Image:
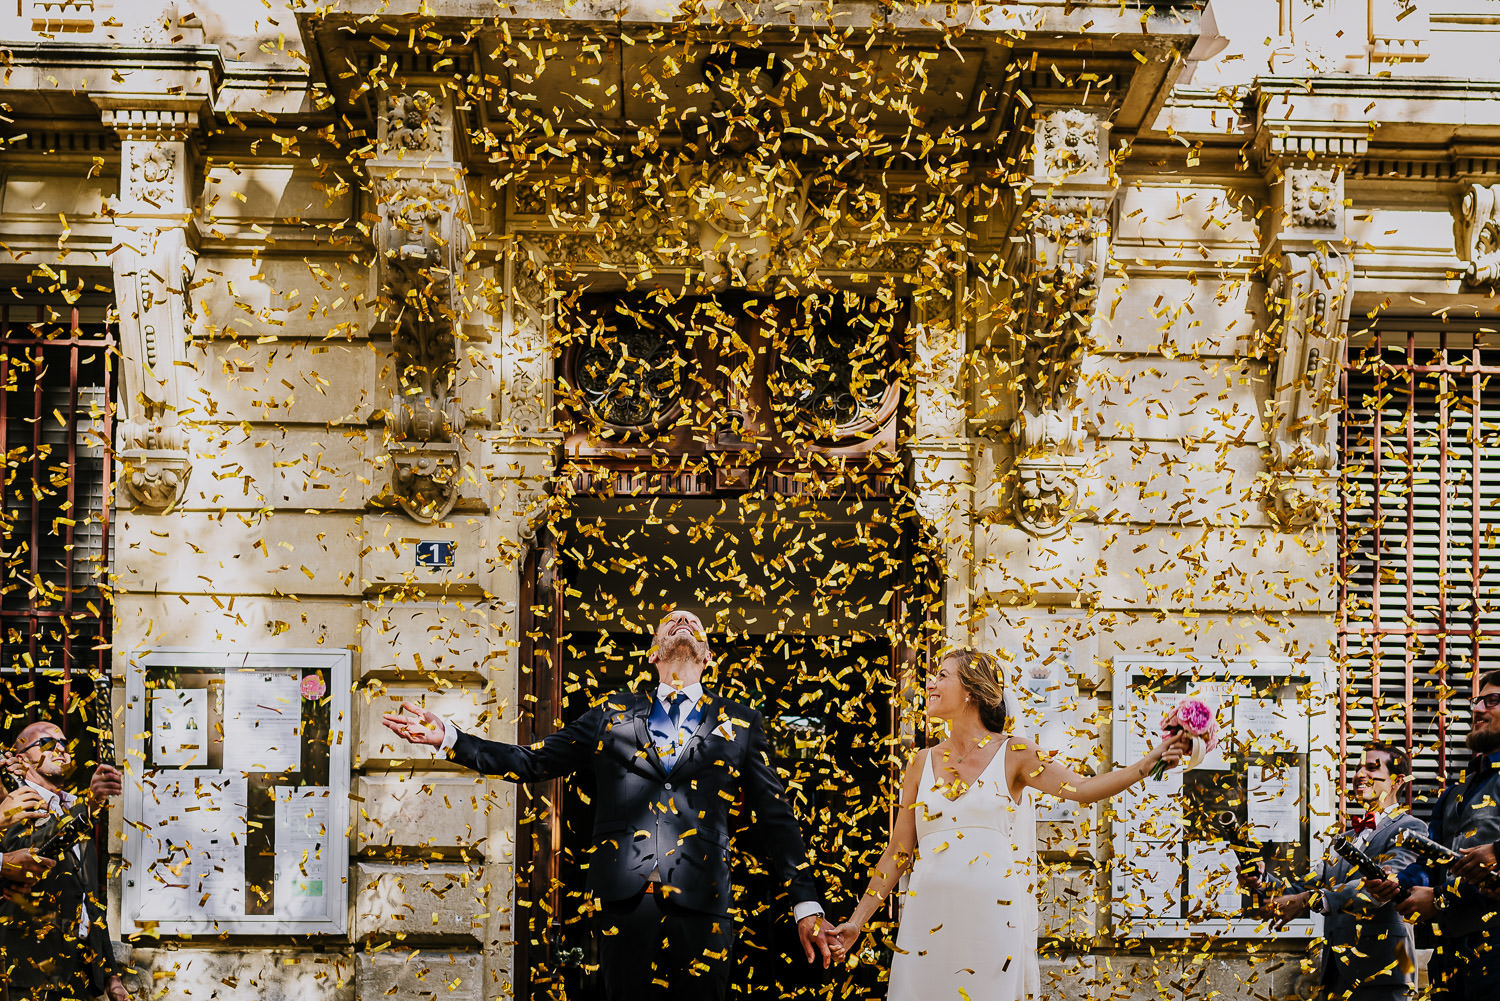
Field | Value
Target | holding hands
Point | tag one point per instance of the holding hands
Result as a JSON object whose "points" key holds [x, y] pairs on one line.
{"points": [[416, 725]]}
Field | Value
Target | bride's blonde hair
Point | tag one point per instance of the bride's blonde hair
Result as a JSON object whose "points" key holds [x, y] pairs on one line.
{"points": [[979, 673]]}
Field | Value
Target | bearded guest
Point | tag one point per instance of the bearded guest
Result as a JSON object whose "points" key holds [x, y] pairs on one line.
{"points": [[1369, 951], [1464, 913], [57, 946], [668, 763]]}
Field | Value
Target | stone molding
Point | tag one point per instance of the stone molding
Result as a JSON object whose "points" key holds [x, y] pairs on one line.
{"points": [[1063, 243], [153, 262], [422, 240]]}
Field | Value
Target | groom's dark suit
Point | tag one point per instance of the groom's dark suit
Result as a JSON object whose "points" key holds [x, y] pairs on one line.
{"points": [[661, 845]]}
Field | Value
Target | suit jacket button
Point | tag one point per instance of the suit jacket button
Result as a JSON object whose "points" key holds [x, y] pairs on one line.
{"points": [[667, 786]]}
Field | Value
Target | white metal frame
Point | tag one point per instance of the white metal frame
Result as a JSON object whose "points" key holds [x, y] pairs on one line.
{"points": [[1322, 772], [337, 665]]}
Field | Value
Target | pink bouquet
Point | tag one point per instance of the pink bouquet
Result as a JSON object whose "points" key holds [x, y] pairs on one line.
{"points": [[313, 687], [1194, 718]]}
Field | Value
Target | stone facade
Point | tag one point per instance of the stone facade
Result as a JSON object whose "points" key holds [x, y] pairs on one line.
{"points": [[1121, 429]]}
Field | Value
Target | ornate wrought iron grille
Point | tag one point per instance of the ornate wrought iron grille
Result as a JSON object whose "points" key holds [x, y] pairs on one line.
{"points": [[1421, 509], [56, 410], [836, 368], [629, 377]]}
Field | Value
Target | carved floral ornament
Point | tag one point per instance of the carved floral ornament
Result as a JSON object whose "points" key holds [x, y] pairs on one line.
{"points": [[1314, 198], [415, 122]]}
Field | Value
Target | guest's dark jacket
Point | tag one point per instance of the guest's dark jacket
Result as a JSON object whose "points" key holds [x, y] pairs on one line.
{"points": [[1367, 944], [1467, 814], [41, 945], [648, 821]]}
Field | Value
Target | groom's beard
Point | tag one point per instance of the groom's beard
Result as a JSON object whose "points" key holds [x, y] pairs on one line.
{"points": [[681, 645], [1485, 741]]}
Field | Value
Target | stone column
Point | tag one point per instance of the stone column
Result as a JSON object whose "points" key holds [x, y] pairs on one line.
{"points": [[1308, 277], [153, 261]]}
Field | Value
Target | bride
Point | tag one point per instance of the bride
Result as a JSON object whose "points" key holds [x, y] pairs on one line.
{"points": [[966, 828]]}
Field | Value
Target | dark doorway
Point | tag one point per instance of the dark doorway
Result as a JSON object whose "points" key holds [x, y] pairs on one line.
{"points": [[806, 619]]}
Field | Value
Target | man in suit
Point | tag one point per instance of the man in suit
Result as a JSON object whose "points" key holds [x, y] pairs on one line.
{"points": [[1369, 951], [668, 764], [57, 946], [1461, 906]]}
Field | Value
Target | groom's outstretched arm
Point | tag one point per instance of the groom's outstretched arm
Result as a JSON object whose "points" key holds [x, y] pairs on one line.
{"points": [[561, 753]]}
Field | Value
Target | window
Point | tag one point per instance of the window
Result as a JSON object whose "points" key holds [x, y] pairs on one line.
{"points": [[56, 373], [1421, 509]]}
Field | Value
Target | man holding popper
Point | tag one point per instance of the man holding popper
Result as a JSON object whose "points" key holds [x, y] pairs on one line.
{"points": [[1452, 888], [1369, 952]]}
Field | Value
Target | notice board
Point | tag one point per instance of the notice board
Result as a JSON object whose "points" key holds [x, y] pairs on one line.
{"points": [[1269, 782], [236, 793]]}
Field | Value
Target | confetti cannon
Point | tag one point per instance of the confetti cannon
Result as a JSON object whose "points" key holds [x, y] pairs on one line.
{"points": [[1249, 852], [1440, 855]]}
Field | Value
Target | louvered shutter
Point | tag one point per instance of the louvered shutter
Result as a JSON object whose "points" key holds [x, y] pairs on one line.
{"points": [[1421, 508]]}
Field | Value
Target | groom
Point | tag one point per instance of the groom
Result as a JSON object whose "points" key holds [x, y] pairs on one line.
{"points": [[669, 763]]}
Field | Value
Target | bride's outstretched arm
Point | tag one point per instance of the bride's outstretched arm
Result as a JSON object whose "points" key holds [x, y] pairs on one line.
{"points": [[1058, 780], [895, 861]]}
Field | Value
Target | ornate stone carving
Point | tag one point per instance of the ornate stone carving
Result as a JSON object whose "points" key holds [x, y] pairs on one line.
{"points": [[1314, 197], [153, 271], [415, 122], [745, 210], [526, 403], [151, 170], [1051, 338], [1070, 142], [1309, 309], [1479, 225], [422, 239]]}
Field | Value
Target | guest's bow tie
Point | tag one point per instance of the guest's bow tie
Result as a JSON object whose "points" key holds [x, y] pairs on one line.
{"points": [[1364, 822]]}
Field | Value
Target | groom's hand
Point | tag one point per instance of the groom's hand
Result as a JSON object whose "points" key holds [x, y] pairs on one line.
{"points": [[421, 727], [815, 929]]}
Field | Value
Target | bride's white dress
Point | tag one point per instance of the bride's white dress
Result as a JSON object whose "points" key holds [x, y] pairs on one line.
{"points": [[968, 916]]}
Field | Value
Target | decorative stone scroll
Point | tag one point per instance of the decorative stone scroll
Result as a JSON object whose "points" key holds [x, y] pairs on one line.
{"points": [[422, 239], [1310, 310], [1479, 225], [1065, 247], [152, 264]]}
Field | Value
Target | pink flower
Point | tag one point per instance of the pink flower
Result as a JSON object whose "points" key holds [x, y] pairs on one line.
{"points": [[313, 687], [1197, 719]]}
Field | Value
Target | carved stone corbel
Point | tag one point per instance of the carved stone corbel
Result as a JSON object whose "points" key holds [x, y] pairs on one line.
{"points": [[152, 263], [526, 361], [422, 240], [1310, 311], [1479, 234], [1065, 239], [1308, 279]]}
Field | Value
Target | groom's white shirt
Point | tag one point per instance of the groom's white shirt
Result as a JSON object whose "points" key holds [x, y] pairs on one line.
{"points": [[694, 692]]}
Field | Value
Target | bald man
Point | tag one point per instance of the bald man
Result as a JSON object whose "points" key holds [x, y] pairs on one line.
{"points": [[56, 944]]}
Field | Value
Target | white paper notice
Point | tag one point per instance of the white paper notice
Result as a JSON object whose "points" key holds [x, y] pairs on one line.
{"points": [[1152, 872], [195, 838], [179, 727], [301, 851], [1153, 809], [1212, 886], [1275, 807], [1270, 725], [262, 721]]}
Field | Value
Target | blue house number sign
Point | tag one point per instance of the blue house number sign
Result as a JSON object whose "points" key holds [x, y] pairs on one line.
{"points": [[435, 555]]}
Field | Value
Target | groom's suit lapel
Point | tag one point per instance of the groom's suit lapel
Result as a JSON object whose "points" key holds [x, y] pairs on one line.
{"points": [[713, 712], [641, 721]]}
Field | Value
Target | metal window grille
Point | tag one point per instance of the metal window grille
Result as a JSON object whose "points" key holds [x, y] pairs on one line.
{"points": [[1421, 509], [56, 382]]}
